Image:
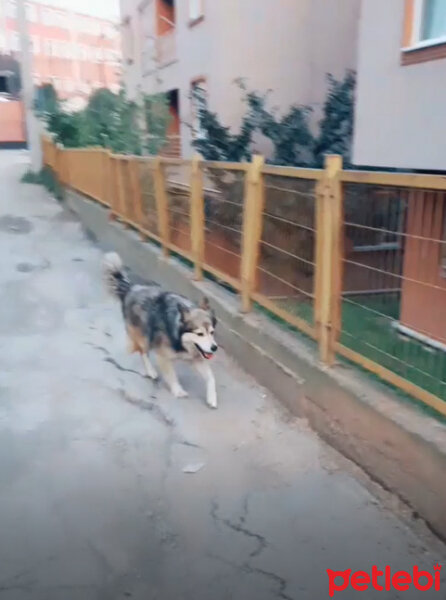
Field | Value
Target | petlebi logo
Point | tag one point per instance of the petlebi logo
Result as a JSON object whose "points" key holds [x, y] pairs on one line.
{"points": [[381, 581]]}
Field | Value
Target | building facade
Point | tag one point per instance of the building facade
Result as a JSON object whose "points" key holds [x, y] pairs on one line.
{"points": [[284, 46], [75, 52], [401, 94], [400, 123]]}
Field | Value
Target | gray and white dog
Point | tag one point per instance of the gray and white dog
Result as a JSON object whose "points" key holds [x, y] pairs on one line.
{"points": [[167, 323]]}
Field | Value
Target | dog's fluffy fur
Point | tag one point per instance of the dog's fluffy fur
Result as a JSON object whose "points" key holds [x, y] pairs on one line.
{"points": [[167, 323]]}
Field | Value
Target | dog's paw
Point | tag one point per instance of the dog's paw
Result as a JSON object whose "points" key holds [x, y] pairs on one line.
{"points": [[180, 393], [212, 402]]}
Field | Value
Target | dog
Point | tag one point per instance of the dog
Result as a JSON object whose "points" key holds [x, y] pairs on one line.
{"points": [[167, 323]]}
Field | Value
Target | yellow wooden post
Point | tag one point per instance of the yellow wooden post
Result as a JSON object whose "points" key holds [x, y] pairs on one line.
{"points": [[122, 212], [63, 169], [329, 258], [112, 187], [105, 174], [43, 145], [197, 220], [162, 205], [252, 228], [334, 171], [57, 161], [135, 182]]}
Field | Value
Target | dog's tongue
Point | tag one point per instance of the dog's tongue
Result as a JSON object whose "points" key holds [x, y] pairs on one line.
{"points": [[208, 356]]}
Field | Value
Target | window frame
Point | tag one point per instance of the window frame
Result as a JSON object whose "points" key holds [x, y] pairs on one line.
{"points": [[413, 49], [416, 29], [195, 82]]}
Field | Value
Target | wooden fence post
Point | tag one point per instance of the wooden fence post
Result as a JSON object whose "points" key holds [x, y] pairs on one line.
{"points": [[329, 258], [63, 177], [197, 220], [57, 161], [106, 177], [135, 182], [162, 205], [112, 187], [121, 203], [252, 229]]}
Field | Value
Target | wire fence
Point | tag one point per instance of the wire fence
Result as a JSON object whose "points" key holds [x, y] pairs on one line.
{"points": [[353, 259], [223, 195], [286, 265], [394, 299], [147, 197], [177, 181]]}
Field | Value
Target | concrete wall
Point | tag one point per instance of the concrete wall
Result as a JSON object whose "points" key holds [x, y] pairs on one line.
{"points": [[400, 447], [400, 112], [285, 46]]}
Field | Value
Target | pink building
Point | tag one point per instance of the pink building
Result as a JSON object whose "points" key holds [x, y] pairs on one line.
{"points": [[75, 52]]}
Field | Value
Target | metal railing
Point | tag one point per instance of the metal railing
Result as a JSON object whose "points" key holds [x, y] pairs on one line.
{"points": [[353, 259]]}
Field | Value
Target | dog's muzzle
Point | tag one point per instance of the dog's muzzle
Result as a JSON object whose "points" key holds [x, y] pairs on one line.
{"points": [[207, 355]]}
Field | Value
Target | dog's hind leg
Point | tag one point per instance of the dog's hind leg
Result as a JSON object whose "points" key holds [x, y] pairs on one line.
{"points": [[206, 372], [170, 377], [133, 341]]}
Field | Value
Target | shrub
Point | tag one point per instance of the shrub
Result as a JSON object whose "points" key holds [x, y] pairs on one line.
{"points": [[109, 120], [293, 142]]}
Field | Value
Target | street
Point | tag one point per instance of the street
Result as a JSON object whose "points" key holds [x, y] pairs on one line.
{"points": [[110, 488]]}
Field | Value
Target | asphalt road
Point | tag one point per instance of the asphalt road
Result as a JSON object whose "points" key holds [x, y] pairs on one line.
{"points": [[95, 502]]}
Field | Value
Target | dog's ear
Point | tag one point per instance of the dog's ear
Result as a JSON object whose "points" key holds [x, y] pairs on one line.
{"points": [[184, 313], [204, 304]]}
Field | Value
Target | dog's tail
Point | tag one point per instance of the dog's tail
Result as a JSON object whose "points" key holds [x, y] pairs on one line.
{"points": [[116, 279]]}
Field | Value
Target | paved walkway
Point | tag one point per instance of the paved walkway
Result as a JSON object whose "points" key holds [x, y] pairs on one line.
{"points": [[94, 500]]}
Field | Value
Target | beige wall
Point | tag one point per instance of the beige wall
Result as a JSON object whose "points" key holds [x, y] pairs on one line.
{"points": [[401, 110], [287, 46]]}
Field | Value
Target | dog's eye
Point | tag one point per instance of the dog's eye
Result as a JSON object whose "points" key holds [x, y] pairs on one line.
{"points": [[200, 333]]}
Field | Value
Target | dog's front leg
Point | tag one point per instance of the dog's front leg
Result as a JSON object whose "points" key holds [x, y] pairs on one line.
{"points": [[170, 377], [205, 371], [150, 369]]}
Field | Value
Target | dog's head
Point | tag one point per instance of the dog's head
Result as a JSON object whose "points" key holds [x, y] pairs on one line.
{"points": [[198, 330]]}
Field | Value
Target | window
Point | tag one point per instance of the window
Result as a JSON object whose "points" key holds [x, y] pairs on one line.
{"points": [[3, 84], [424, 36], [165, 17], [433, 22], [196, 11], [198, 96]]}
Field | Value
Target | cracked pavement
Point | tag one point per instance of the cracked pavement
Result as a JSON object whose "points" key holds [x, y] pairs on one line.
{"points": [[94, 503]]}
